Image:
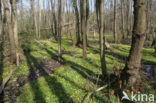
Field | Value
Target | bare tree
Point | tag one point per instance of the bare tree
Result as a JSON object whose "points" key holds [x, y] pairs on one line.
{"points": [[87, 17], [122, 18], [0, 18], [22, 16], [149, 4], [78, 38], [127, 17], [131, 70], [10, 31], [43, 13], [48, 15], [115, 12], [39, 19], [54, 20], [59, 29], [100, 22], [34, 18], [15, 26], [83, 26]]}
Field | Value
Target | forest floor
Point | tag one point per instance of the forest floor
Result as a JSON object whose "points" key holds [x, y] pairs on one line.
{"points": [[42, 79]]}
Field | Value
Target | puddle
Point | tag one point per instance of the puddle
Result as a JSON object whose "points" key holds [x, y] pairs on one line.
{"points": [[149, 72]]}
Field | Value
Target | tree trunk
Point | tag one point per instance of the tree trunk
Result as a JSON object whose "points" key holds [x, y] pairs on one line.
{"points": [[128, 9], [0, 19], [122, 18], [115, 11], [15, 26], [10, 32], [59, 29], [39, 19], [48, 13], [43, 13], [131, 70], [22, 16], [83, 26], [87, 17], [3, 25], [149, 2], [100, 22], [54, 20], [34, 18], [78, 38]]}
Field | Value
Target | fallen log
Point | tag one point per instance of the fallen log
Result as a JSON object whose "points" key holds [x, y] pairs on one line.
{"points": [[108, 46], [6, 80]]}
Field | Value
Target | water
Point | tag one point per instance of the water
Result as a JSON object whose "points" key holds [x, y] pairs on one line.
{"points": [[149, 72]]}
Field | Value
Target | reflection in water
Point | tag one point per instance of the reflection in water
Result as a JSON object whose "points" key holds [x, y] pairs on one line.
{"points": [[149, 72]]}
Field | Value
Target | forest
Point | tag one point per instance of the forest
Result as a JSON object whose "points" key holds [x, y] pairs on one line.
{"points": [[77, 51]]}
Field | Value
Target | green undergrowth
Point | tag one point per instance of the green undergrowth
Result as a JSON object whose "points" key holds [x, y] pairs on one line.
{"points": [[74, 78]]}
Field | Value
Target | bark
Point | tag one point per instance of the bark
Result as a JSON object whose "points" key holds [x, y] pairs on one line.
{"points": [[59, 29], [78, 38], [128, 9], [87, 17], [131, 70], [43, 13], [100, 22], [149, 2], [54, 20], [39, 19], [111, 8], [15, 26], [122, 18], [22, 16], [2, 24], [34, 18], [154, 44], [10, 32], [83, 26], [0, 19], [68, 10], [131, 18], [48, 13], [115, 11]]}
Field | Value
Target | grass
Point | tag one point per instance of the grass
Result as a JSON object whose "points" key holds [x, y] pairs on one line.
{"points": [[75, 78]]}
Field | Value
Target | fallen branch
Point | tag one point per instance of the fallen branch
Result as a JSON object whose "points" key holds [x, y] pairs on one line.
{"points": [[39, 42], [108, 46], [89, 94], [6, 80]]}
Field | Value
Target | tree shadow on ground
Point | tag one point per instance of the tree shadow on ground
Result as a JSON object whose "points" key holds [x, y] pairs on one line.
{"points": [[151, 53], [84, 72], [119, 57], [39, 98], [122, 49], [90, 62], [94, 51], [78, 68], [123, 58], [56, 87], [72, 82]]}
